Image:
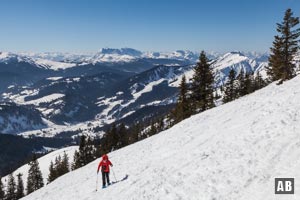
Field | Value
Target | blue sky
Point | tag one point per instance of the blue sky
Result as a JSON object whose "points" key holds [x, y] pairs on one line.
{"points": [[162, 25]]}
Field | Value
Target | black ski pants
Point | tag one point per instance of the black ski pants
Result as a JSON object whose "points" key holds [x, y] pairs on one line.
{"points": [[105, 178]]}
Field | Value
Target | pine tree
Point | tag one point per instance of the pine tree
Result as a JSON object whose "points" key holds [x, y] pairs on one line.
{"points": [[85, 154], [2, 193], [112, 138], [88, 151], [202, 85], [259, 82], [241, 84], [276, 65], [65, 166], [123, 135], [76, 164], [52, 173], [11, 188], [82, 147], [20, 187], [57, 166], [285, 46], [107, 140], [230, 92], [81, 154], [249, 83], [136, 132], [35, 178], [183, 108]]}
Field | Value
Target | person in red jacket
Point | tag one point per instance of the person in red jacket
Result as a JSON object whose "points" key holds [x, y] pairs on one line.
{"points": [[104, 164]]}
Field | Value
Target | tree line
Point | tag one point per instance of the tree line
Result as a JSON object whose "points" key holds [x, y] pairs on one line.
{"points": [[15, 190]]}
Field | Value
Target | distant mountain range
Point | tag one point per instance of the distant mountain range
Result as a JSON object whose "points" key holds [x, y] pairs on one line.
{"points": [[60, 61], [74, 93]]}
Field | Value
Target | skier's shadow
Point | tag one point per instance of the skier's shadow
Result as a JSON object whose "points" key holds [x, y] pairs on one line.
{"points": [[123, 179]]}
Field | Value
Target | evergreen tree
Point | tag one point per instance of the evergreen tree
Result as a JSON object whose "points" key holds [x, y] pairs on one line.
{"points": [[111, 139], [182, 109], [82, 147], [259, 82], [65, 166], [80, 156], [88, 152], [285, 46], [114, 137], [123, 135], [241, 84], [20, 187], [57, 166], [2, 193], [136, 132], [249, 83], [230, 92], [202, 85], [98, 151], [76, 164], [35, 178], [276, 65], [11, 188], [85, 154], [52, 173]]}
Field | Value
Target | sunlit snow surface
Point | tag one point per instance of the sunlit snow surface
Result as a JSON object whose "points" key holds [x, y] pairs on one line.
{"points": [[231, 152]]}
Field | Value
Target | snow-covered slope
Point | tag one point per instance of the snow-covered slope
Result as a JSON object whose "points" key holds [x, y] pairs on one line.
{"points": [[231, 152], [44, 163], [240, 63]]}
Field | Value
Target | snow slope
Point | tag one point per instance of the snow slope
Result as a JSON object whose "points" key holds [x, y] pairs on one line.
{"points": [[231, 152], [44, 163]]}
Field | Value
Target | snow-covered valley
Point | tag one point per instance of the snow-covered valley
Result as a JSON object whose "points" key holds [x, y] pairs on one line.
{"points": [[85, 96]]}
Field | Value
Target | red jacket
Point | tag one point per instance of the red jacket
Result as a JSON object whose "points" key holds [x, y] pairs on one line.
{"points": [[104, 164]]}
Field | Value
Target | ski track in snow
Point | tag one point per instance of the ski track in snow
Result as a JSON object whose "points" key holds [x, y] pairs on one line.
{"points": [[231, 152]]}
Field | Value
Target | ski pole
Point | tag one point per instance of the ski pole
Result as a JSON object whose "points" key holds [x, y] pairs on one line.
{"points": [[114, 174], [97, 183]]}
